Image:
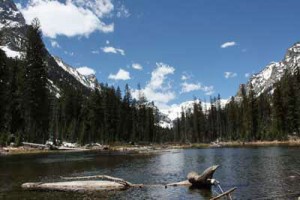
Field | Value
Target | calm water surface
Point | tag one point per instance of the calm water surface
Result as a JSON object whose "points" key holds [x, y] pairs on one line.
{"points": [[259, 173]]}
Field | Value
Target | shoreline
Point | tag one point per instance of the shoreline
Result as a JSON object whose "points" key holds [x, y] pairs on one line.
{"points": [[155, 148]]}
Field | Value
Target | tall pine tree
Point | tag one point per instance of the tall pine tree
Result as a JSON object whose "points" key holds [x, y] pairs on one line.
{"points": [[36, 91]]}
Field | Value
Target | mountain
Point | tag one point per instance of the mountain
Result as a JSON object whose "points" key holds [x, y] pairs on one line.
{"points": [[61, 75], [264, 81], [171, 113], [10, 16], [13, 27], [89, 81]]}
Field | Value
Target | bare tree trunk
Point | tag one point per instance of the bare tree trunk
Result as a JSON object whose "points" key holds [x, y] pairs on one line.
{"points": [[198, 181]]}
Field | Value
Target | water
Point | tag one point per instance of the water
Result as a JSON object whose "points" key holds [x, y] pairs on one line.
{"points": [[259, 173]]}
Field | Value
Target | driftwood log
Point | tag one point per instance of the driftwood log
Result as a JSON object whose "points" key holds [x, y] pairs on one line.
{"points": [[87, 183], [103, 182], [196, 180]]}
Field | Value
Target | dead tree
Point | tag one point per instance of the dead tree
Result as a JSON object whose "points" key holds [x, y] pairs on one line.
{"points": [[198, 181]]}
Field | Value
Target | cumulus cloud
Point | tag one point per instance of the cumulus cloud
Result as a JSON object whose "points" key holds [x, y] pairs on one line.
{"points": [[100, 7], [120, 75], [54, 44], [70, 18], [189, 87], [86, 70], [228, 44], [110, 49], [159, 75], [230, 75], [137, 66], [158, 89]]}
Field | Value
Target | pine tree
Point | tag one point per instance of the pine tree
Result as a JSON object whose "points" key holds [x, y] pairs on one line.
{"points": [[252, 114], [36, 91], [3, 89], [278, 111]]}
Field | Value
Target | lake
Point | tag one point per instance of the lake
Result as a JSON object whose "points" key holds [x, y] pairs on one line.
{"points": [[257, 172]]}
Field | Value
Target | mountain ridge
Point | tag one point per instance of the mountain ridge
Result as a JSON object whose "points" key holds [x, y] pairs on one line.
{"points": [[264, 80], [14, 27]]}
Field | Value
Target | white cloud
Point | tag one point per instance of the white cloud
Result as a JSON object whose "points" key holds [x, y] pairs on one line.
{"points": [[72, 18], [55, 44], [137, 66], [120, 75], [69, 53], [86, 70], [100, 7], [247, 75], [159, 75], [184, 77], [189, 87], [122, 11], [158, 89], [209, 90], [95, 52], [230, 75], [114, 50], [107, 42], [228, 44]]}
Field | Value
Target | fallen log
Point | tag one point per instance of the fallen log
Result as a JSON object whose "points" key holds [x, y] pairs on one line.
{"points": [[34, 145], [103, 177], [196, 180], [83, 184]]}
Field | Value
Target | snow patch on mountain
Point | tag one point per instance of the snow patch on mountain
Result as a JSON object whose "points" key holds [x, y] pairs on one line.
{"points": [[54, 89], [10, 16], [174, 111], [273, 72], [10, 53], [89, 81]]}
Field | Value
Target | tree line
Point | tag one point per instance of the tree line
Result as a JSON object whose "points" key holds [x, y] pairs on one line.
{"points": [[31, 112], [271, 115]]}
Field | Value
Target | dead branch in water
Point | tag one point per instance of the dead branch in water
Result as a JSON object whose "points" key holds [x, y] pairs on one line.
{"points": [[196, 180]]}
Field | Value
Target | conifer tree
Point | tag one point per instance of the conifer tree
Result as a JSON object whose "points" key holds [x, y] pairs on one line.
{"points": [[3, 89], [36, 91]]}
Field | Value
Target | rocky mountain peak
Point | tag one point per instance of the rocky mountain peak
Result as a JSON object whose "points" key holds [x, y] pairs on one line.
{"points": [[264, 80], [10, 16], [88, 81]]}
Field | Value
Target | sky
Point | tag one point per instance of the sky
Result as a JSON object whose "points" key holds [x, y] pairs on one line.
{"points": [[176, 50]]}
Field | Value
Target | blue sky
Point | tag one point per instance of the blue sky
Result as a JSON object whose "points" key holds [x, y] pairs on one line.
{"points": [[177, 43]]}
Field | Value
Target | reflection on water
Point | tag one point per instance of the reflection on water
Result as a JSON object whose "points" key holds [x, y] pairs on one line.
{"points": [[259, 173]]}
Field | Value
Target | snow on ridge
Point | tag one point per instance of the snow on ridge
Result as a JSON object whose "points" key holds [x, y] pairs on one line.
{"points": [[273, 72], [174, 111], [10, 53], [10, 16], [84, 80], [54, 89]]}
